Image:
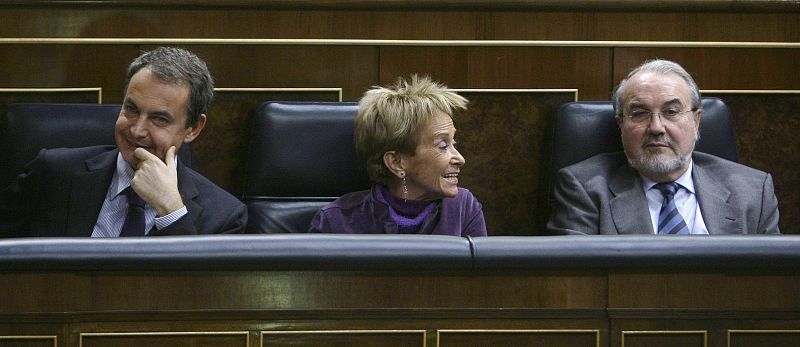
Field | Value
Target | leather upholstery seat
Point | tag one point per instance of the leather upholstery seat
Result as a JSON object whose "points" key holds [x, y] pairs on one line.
{"points": [[300, 157], [27, 128], [584, 129]]}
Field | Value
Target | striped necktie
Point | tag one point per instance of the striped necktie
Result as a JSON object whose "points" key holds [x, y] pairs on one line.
{"points": [[670, 221], [134, 220]]}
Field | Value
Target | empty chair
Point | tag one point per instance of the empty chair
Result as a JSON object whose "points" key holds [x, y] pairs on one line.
{"points": [[300, 157]]}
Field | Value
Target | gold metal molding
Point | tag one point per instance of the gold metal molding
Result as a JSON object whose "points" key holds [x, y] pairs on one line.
{"points": [[596, 332], [749, 91], [511, 90], [31, 337], [771, 331], [366, 42], [99, 91], [665, 332], [248, 90], [349, 331], [167, 333]]}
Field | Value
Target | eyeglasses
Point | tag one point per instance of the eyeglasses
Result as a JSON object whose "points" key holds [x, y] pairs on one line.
{"points": [[641, 116]]}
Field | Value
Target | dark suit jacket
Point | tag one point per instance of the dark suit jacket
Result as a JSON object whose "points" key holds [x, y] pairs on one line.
{"points": [[604, 195], [62, 191]]}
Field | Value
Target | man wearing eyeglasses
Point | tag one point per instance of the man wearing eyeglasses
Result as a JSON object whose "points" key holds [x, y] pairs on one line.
{"points": [[659, 185]]}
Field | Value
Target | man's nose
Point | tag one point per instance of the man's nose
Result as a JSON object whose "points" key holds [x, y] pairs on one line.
{"points": [[139, 127], [656, 125]]}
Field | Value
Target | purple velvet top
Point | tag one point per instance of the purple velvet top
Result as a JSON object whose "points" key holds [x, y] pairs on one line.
{"points": [[361, 213]]}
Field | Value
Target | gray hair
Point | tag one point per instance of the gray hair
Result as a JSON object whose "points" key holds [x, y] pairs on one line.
{"points": [[391, 119], [659, 66], [179, 66]]}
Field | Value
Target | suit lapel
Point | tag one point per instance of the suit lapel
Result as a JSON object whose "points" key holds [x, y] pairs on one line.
{"points": [[720, 216], [88, 192], [629, 205], [188, 190]]}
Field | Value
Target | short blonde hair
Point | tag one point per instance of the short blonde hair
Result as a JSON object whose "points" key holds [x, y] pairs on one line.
{"points": [[391, 118]]}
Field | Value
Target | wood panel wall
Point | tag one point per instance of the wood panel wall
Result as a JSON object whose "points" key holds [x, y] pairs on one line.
{"points": [[558, 307], [586, 46]]}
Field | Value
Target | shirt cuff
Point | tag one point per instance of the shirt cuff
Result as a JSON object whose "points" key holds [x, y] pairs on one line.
{"points": [[165, 221]]}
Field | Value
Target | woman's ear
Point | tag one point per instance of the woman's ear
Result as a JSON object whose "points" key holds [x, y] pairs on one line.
{"points": [[394, 162]]}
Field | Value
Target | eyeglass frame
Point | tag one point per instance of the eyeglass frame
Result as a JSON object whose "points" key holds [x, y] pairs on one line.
{"points": [[670, 118]]}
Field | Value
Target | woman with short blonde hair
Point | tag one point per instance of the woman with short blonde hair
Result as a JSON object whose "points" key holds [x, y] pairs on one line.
{"points": [[406, 136]]}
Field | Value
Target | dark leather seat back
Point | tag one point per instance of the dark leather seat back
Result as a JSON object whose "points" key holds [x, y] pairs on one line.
{"points": [[27, 128], [300, 157], [584, 129]]}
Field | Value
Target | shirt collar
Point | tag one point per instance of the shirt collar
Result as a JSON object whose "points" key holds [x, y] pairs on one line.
{"points": [[685, 180], [122, 176]]}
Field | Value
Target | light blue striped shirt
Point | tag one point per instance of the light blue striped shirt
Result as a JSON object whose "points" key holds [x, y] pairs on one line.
{"points": [[115, 206]]}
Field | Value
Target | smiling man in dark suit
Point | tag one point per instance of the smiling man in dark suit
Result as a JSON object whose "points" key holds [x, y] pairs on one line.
{"points": [[139, 187], [660, 185]]}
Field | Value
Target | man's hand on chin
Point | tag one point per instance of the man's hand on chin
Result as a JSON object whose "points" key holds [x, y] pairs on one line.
{"points": [[156, 182]]}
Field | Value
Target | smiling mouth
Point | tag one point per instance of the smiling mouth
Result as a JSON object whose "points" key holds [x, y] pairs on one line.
{"points": [[451, 177]]}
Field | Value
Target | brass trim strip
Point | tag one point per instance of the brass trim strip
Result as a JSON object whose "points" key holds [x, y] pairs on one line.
{"points": [[517, 331], [367, 42], [360, 331], [167, 333], [750, 91], [665, 332], [32, 337], [770, 331], [337, 90], [511, 90], [99, 91]]}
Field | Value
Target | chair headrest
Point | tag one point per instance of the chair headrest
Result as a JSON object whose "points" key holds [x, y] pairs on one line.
{"points": [[303, 149]]}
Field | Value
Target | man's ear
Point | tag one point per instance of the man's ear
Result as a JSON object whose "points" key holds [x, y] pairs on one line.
{"points": [[697, 118], [394, 162], [618, 118], [194, 131]]}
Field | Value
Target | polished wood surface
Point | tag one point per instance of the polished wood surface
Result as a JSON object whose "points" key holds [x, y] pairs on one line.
{"points": [[343, 290], [307, 308], [726, 45], [725, 5]]}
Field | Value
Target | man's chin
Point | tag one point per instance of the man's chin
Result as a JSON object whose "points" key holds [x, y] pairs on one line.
{"points": [[659, 165]]}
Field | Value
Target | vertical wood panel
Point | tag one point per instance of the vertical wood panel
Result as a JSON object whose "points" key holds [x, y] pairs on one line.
{"points": [[28, 341], [550, 338], [766, 137], [664, 338], [165, 339], [502, 136], [376, 338]]}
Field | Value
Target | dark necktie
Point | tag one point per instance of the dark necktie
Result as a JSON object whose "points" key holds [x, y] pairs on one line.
{"points": [[134, 219], [670, 222]]}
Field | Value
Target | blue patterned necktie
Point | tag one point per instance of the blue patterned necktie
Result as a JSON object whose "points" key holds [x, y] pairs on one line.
{"points": [[670, 222], [134, 219]]}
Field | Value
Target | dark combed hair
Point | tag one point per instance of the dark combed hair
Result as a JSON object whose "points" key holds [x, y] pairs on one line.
{"points": [[179, 66]]}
